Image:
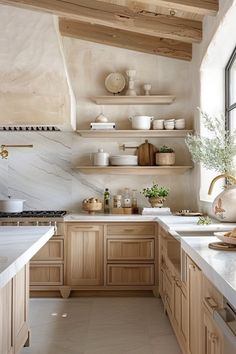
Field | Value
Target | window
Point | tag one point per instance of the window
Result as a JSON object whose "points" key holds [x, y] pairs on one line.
{"points": [[230, 93]]}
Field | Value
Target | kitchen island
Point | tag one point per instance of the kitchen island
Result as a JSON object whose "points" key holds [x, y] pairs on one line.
{"points": [[18, 244]]}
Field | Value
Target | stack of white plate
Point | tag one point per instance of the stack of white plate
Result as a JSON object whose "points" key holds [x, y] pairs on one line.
{"points": [[124, 160]]}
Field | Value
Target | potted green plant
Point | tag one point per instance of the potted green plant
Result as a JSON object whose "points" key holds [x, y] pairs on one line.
{"points": [[165, 156], [217, 152], [156, 195]]}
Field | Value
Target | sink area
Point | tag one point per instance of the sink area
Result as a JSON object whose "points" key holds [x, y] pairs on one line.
{"points": [[196, 233]]}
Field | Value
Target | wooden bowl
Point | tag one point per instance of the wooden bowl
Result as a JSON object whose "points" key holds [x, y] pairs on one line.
{"points": [[92, 207]]}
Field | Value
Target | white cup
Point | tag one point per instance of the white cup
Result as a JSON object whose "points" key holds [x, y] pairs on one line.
{"points": [[158, 124]]}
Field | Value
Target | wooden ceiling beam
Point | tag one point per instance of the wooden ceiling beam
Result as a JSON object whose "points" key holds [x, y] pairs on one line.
{"points": [[118, 17], [125, 39], [200, 7]]}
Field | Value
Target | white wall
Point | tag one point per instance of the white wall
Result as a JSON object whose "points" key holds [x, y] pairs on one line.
{"points": [[208, 66], [46, 176]]}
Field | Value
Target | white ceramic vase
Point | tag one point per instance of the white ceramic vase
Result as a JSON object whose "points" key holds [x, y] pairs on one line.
{"points": [[224, 205]]}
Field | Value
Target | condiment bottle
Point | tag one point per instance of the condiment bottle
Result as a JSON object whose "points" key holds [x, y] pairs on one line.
{"points": [[107, 201], [134, 202]]}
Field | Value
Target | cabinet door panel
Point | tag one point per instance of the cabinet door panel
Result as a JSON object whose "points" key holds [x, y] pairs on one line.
{"points": [[20, 308], [51, 251], [177, 304], [184, 316], [45, 274], [85, 255], [130, 249], [194, 307], [212, 340], [6, 335], [130, 274], [169, 292]]}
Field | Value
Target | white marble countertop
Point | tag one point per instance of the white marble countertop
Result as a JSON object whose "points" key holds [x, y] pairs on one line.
{"points": [[99, 217], [18, 244], [218, 266], [168, 222]]}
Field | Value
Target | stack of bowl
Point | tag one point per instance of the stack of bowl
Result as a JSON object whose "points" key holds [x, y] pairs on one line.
{"points": [[169, 124], [180, 123]]}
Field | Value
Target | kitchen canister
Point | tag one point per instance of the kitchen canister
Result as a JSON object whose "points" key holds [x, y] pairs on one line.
{"points": [[100, 158]]}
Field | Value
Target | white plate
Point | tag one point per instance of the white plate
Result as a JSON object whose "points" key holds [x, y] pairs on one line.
{"points": [[115, 82], [124, 160], [230, 240]]}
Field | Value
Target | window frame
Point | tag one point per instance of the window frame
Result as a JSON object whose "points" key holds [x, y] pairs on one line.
{"points": [[229, 107]]}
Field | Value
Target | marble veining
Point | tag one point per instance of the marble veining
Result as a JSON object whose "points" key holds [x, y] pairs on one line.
{"points": [[18, 244]]}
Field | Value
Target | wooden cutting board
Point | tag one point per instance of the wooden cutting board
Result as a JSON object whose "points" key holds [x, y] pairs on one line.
{"points": [[146, 154]]}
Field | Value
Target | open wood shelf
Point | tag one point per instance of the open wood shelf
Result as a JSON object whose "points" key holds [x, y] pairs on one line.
{"points": [[126, 100], [134, 133], [134, 170]]}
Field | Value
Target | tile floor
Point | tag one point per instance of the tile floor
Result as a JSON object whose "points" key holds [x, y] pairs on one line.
{"points": [[100, 326]]}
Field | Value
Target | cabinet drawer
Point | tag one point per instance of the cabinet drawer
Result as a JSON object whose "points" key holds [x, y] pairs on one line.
{"points": [[130, 274], [51, 251], [131, 229], [46, 274], [130, 249], [211, 297]]}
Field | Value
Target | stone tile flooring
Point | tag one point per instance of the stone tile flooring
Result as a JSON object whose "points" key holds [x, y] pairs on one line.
{"points": [[134, 325]]}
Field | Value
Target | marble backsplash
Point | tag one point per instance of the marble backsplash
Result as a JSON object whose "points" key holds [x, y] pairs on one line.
{"points": [[47, 178]]}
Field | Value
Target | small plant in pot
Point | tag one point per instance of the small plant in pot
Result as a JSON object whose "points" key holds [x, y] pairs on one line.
{"points": [[156, 195], [165, 156]]}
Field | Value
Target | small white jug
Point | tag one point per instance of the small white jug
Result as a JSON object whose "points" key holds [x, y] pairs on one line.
{"points": [[101, 158]]}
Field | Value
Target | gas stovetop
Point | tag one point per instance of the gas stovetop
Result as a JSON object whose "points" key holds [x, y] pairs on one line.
{"points": [[35, 213]]}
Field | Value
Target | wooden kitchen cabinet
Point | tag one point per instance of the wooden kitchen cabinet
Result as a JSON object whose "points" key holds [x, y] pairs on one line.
{"points": [[194, 281], [131, 256], [14, 324], [84, 264], [47, 266]]}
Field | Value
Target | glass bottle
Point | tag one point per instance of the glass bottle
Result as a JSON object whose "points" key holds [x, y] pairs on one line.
{"points": [[107, 201], [134, 202], [117, 201], [126, 198]]}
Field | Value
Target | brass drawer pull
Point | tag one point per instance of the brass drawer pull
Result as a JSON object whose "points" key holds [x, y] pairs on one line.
{"points": [[210, 303]]}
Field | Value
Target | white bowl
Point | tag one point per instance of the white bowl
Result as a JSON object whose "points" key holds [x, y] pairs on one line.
{"points": [[179, 127], [181, 120], [124, 160]]}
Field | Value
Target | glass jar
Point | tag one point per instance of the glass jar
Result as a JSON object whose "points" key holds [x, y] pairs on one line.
{"points": [[127, 198], [117, 201]]}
